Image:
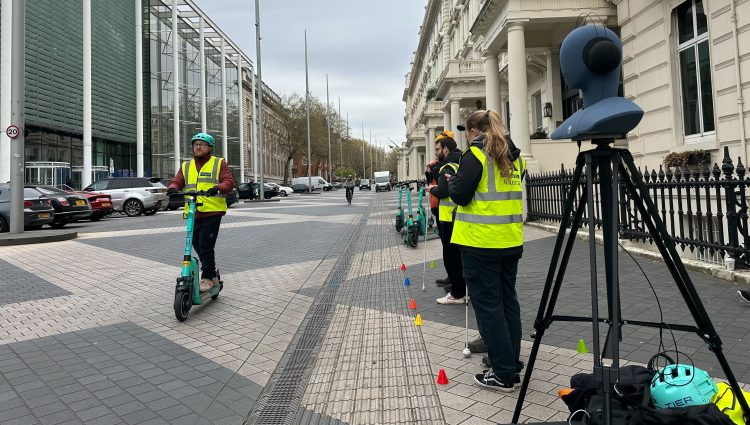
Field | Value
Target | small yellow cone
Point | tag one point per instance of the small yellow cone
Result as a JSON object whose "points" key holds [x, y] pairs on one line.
{"points": [[582, 347], [418, 320]]}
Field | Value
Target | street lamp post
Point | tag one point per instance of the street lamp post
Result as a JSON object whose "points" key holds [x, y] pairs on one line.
{"points": [[259, 89], [307, 101], [17, 99], [328, 121]]}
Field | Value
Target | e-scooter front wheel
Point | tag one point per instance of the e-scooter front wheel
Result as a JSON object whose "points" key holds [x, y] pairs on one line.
{"points": [[182, 304], [413, 239], [399, 223]]}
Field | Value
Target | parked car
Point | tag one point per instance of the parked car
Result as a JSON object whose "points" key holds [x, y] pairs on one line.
{"points": [[233, 197], [100, 203], [365, 184], [36, 211], [300, 188], [132, 195], [337, 185], [248, 190], [283, 190], [68, 207]]}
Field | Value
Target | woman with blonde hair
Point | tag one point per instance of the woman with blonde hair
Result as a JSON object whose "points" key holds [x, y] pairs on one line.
{"points": [[489, 228]]}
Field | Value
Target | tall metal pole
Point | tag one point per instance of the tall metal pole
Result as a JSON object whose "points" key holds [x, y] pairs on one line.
{"points": [[328, 121], [254, 128], [6, 59], [224, 132], [307, 101], [16, 114], [341, 141], [175, 87], [371, 152], [259, 89], [138, 88], [241, 115], [86, 177], [202, 48], [364, 170]]}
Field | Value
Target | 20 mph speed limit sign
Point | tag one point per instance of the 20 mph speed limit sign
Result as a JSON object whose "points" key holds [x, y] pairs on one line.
{"points": [[12, 131]]}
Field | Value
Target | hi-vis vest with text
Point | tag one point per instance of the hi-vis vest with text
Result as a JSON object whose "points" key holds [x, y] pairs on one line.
{"points": [[494, 217], [202, 180], [446, 207]]}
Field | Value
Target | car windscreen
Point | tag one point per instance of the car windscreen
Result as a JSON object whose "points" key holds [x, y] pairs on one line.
{"points": [[47, 190], [31, 193], [365, 181], [383, 179]]}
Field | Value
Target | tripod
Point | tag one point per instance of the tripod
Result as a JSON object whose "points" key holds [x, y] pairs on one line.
{"points": [[616, 170]]}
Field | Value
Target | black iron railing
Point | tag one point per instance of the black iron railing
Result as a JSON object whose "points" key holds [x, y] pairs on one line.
{"points": [[703, 207]]}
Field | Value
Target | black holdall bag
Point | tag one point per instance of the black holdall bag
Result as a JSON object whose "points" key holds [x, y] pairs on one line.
{"points": [[631, 402]]}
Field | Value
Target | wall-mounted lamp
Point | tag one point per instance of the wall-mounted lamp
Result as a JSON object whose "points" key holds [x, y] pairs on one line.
{"points": [[478, 104], [548, 109]]}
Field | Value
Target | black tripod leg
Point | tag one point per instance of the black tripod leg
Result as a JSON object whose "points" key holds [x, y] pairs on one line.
{"points": [[550, 293], [666, 246]]}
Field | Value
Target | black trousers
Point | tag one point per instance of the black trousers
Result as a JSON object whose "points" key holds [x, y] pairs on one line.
{"points": [[452, 260], [491, 279], [205, 232]]}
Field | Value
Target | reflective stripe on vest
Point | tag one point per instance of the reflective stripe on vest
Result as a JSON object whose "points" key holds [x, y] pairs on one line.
{"points": [[447, 206], [494, 217], [203, 180]]}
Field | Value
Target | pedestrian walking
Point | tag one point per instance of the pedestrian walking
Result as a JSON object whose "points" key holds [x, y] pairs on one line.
{"points": [[448, 155], [489, 229]]}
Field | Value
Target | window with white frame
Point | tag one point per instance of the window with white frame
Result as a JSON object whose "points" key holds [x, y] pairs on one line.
{"points": [[536, 111], [695, 68]]}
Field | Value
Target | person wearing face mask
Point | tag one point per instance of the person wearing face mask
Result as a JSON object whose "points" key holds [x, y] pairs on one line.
{"points": [[488, 226]]}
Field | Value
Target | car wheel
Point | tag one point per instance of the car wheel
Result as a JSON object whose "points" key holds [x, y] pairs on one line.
{"points": [[284, 194], [152, 211], [3, 225], [37, 227], [57, 224], [132, 207], [96, 217]]}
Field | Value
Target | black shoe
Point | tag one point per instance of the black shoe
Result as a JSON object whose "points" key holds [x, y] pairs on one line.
{"points": [[446, 281], [478, 346], [516, 377], [488, 380], [745, 295]]}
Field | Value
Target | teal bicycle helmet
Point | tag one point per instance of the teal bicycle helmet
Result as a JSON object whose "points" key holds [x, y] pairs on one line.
{"points": [[204, 137]]}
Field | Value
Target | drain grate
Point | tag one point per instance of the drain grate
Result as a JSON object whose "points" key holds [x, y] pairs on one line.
{"points": [[279, 403]]}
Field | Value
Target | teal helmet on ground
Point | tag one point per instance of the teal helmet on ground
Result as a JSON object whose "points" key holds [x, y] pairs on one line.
{"points": [[204, 137], [681, 385]]}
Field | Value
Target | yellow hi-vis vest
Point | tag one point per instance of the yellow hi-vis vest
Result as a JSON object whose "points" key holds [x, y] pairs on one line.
{"points": [[446, 206], [202, 180], [494, 217]]}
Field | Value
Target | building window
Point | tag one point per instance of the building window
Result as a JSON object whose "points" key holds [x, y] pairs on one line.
{"points": [[536, 111], [695, 68]]}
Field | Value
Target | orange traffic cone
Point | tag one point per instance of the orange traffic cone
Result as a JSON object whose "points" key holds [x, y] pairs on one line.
{"points": [[412, 304], [442, 377]]}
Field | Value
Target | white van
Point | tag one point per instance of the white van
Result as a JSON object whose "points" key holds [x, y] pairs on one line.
{"points": [[318, 183]]}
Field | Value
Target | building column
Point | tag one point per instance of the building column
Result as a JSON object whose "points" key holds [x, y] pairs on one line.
{"points": [[429, 146], [202, 50], [241, 115], [5, 79], [176, 87], [554, 90], [87, 151], [518, 89], [224, 132], [455, 121], [492, 81], [138, 89]]}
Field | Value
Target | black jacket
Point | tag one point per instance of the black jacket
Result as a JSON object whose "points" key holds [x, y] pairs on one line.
{"points": [[463, 185], [441, 190]]}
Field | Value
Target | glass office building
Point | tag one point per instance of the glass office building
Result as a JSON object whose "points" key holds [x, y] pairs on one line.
{"points": [[54, 87]]}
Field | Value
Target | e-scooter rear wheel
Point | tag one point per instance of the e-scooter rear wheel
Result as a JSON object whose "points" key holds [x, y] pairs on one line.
{"points": [[399, 223], [413, 240], [182, 304]]}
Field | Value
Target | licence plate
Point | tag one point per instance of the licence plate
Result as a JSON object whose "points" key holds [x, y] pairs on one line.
{"points": [[80, 202], [43, 215], [106, 205]]}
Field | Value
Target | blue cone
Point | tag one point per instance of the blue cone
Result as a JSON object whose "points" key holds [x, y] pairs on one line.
{"points": [[407, 282]]}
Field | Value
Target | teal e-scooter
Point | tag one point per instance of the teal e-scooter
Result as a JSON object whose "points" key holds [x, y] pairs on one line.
{"points": [[400, 211], [410, 232], [187, 292]]}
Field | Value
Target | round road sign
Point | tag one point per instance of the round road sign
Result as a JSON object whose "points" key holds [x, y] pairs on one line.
{"points": [[12, 131]]}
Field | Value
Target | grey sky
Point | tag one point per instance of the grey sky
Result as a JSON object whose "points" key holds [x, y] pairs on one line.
{"points": [[364, 46]]}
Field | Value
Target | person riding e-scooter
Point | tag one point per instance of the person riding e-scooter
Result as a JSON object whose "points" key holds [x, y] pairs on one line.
{"points": [[210, 174], [349, 185]]}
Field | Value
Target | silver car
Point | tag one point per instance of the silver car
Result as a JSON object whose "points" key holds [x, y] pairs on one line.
{"points": [[133, 195]]}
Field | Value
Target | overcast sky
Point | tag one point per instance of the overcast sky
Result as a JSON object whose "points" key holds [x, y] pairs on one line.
{"points": [[364, 46]]}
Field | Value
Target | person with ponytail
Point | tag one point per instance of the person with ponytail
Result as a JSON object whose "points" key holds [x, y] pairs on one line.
{"points": [[489, 229]]}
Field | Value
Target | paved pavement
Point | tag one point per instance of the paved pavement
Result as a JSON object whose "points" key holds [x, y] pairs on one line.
{"points": [[313, 324]]}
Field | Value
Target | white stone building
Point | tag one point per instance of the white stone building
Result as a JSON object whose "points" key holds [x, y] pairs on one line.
{"points": [[682, 63]]}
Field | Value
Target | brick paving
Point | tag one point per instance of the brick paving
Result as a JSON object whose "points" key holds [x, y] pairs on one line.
{"points": [[90, 336]]}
